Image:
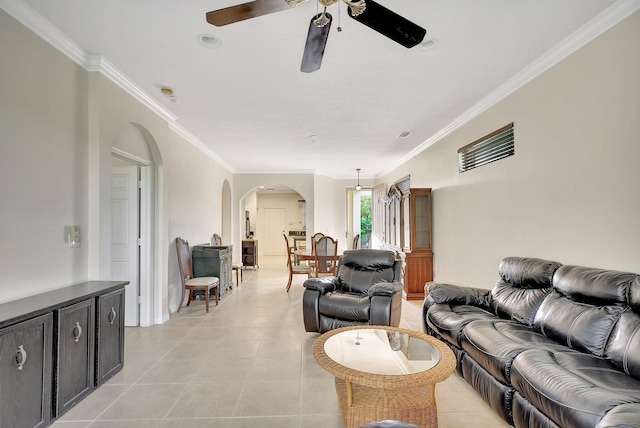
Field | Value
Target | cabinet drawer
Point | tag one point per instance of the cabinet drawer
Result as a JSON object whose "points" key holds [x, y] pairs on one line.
{"points": [[110, 331], [25, 373], [75, 356]]}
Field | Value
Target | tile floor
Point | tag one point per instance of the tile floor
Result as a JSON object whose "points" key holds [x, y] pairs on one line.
{"points": [[247, 363]]}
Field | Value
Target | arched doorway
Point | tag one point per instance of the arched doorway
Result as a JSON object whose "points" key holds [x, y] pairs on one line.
{"points": [[271, 210], [136, 172]]}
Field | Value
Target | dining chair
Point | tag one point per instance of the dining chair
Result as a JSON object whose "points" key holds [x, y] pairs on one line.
{"points": [[293, 268], [314, 239], [189, 283], [216, 240], [356, 242], [326, 256]]}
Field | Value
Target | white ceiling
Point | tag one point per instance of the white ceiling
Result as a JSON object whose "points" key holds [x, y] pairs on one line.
{"points": [[248, 102]]}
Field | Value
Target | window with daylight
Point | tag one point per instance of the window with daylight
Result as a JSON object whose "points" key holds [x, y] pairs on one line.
{"points": [[495, 146]]}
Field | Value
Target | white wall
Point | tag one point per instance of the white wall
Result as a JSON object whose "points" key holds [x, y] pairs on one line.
{"points": [[293, 216], [43, 167], [569, 194], [58, 125]]}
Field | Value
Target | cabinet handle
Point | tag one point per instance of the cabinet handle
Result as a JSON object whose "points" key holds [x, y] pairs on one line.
{"points": [[21, 357], [77, 332], [112, 316]]}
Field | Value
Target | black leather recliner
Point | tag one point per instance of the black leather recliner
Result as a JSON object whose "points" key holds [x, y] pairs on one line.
{"points": [[365, 290]]}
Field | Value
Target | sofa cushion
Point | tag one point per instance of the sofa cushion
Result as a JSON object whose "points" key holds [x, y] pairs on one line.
{"points": [[573, 389], [449, 320], [358, 270], [495, 343], [584, 307], [623, 347], [352, 307], [594, 286], [523, 284], [579, 326], [527, 272]]}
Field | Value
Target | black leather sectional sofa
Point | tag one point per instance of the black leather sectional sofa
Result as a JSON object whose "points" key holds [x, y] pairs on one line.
{"points": [[549, 345]]}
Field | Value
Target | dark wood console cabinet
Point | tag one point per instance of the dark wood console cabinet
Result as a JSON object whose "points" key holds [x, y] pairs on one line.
{"points": [[56, 347], [211, 260]]}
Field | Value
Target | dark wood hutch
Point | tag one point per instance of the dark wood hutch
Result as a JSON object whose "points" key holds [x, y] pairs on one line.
{"points": [[408, 231]]}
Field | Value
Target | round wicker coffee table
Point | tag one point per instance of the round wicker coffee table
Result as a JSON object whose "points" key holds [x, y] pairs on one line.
{"points": [[385, 373]]}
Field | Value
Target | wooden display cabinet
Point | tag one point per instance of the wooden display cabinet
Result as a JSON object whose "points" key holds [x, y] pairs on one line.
{"points": [[408, 231], [418, 251]]}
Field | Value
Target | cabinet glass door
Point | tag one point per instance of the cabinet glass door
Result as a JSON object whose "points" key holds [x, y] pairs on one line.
{"points": [[423, 229]]}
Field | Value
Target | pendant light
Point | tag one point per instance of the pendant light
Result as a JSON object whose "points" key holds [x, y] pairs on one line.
{"points": [[358, 186]]}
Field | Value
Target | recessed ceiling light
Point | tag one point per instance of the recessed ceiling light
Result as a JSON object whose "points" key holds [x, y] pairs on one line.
{"points": [[428, 44], [209, 41], [168, 92]]}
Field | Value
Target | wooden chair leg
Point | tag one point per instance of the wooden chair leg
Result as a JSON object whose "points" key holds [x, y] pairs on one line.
{"points": [[237, 282], [206, 299], [217, 294], [241, 278], [181, 300], [190, 297], [290, 279]]}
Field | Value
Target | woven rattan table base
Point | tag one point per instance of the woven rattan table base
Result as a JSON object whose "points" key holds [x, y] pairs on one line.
{"points": [[410, 405]]}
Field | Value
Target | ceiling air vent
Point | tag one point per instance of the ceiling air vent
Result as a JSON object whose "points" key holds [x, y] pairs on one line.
{"points": [[497, 145]]}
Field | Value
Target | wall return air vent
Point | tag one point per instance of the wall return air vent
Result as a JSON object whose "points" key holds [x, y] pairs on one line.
{"points": [[497, 145]]}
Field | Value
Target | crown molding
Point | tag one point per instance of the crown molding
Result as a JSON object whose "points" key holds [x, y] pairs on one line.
{"points": [[611, 16], [99, 63], [277, 171]]}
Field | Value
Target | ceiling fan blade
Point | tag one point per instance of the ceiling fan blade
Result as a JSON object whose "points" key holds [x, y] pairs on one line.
{"points": [[390, 24], [316, 42], [243, 11]]}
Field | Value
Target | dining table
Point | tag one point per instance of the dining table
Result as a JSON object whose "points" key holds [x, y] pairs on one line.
{"points": [[306, 254]]}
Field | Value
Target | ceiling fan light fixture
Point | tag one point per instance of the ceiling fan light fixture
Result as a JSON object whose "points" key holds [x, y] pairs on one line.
{"points": [[358, 186], [356, 7], [428, 45], [209, 41], [322, 20]]}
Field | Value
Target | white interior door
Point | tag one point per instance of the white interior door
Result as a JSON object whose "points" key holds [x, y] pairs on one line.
{"points": [[274, 224], [124, 237]]}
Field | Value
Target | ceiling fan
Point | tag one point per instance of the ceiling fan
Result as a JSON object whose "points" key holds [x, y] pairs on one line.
{"points": [[367, 12]]}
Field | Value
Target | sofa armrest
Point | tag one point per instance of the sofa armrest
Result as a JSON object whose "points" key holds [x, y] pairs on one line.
{"points": [[323, 285], [460, 295], [385, 289]]}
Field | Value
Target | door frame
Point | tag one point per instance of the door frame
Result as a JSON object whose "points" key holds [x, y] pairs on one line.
{"points": [[146, 244]]}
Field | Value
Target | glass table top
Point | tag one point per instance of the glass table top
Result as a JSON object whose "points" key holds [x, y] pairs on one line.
{"points": [[380, 351]]}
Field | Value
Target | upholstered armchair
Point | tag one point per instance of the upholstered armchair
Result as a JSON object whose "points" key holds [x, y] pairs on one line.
{"points": [[365, 290]]}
